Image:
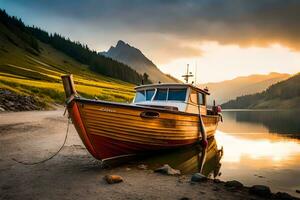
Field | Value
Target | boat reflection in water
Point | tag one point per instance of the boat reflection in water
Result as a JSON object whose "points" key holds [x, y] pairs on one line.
{"points": [[190, 160]]}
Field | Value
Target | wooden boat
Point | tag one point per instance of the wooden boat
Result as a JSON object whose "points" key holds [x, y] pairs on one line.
{"points": [[161, 116]]}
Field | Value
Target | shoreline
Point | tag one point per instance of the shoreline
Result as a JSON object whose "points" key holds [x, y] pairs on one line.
{"points": [[74, 174], [255, 110]]}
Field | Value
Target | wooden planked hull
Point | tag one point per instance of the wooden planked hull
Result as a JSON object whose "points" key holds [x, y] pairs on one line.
{"points": [[112, 129]]}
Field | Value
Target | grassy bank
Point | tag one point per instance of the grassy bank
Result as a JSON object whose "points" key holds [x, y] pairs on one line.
{"points": [[25, 72]]}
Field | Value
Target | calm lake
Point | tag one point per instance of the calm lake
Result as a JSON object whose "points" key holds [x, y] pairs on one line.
{"points": [[254, 147]]}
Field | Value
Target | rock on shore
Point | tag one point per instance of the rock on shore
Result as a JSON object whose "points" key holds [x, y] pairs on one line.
{"points": [[10, 101], [166, 169]]}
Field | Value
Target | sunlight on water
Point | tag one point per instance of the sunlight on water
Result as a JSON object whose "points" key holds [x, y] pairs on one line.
{"points": [[236, 148], [261, 147]]}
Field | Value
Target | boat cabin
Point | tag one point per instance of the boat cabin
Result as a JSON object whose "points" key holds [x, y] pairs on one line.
{"points": [[176, 96]]}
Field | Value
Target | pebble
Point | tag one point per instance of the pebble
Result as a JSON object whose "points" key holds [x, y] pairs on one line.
{"points": [[181, 179], [142, 166], [111, 179], [259, 176], [234, 184], [217, 180], [10, 103], [184, 198], [198, 177], [283, 196], [166, 169], [260, 190]]}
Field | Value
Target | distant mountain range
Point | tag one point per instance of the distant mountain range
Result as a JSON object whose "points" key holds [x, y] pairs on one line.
{"points": [[134, 58], [285, 94], [230, 89]]}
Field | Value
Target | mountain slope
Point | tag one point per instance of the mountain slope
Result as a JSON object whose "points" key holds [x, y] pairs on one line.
{"points": [[230, 89], [31, 67], [285, 94], [133, 57], [97, 63]]}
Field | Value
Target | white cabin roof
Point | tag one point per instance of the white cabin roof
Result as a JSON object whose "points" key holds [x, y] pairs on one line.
{"points": [[171, 85]]}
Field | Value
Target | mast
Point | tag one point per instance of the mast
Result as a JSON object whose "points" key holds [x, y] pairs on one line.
{"points": [[187, 75], [196, 72]]}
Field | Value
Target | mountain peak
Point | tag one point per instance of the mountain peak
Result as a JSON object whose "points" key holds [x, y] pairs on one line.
{"points": [[121, 43], [124, 52], [133, 57]]}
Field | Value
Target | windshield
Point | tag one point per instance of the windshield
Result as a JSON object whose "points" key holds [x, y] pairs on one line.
{"points": [[140, 96], [171, 94], [177, 95], [161, 95], [149, 94], [144, 95]]}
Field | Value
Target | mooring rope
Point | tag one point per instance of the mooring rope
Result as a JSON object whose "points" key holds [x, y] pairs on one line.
{"points": [[53, 155]]}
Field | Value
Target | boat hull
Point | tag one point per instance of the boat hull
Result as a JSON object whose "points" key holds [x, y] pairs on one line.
{"points": [[112, 129]]}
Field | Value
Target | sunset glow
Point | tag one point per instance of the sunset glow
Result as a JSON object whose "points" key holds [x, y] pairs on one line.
{"points": [[223, 62], [223, 38]]}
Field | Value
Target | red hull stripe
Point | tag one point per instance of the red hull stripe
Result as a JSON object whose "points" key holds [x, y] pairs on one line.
{"points": [[82, 131], [108, 147]]}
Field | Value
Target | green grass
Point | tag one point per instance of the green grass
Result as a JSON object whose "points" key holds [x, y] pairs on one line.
{"points": [[25, 73]]}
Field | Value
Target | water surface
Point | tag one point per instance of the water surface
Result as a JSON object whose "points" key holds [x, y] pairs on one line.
{"points": [[254, 147], [261, 147]]}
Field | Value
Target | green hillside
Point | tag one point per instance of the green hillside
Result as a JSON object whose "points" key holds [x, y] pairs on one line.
{"points": [[283, 95], [31, 67]]}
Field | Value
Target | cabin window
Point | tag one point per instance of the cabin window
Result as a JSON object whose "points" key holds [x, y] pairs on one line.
{"points": [[161, 95], [140, 96], [201, 98], [149, 94], [177, 95], [193, 97]]}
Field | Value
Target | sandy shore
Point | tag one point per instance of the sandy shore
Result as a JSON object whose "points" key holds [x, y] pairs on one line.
{"points": [[74, 174]]}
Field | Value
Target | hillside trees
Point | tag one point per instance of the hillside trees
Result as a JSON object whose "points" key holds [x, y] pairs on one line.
{"points": [[283, 90], [80, 52]]}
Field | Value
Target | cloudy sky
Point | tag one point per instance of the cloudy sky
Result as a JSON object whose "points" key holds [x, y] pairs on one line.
{"points": [[224, 39]]}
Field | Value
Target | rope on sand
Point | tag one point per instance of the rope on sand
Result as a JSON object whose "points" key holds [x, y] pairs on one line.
{"points": [[53, 155]]}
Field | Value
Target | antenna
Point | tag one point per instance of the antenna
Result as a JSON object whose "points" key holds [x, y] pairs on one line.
{"points": [[196, 72], [187, 75]]}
